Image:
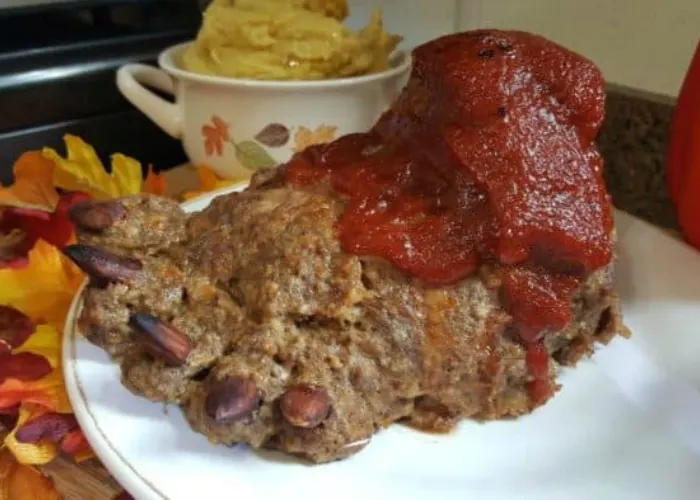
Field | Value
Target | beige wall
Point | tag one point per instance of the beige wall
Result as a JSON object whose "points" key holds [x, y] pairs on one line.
{"points": [[416, 20], [643, 44]]}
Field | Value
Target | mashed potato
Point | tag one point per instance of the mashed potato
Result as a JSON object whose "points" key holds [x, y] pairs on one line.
{"points": [[286, 40]]}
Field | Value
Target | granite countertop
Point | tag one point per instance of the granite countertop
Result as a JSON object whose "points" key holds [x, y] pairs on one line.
{"points": [[633, 142]]}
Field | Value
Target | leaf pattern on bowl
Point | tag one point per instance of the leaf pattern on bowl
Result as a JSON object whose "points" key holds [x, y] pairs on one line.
{"points": [[251, 153], [253, 156], [273, 135], [215, 135], [305, 137]]}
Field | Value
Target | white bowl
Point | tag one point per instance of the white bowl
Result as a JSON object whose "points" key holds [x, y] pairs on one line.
{"points": [[236, 126], [624, 426]]}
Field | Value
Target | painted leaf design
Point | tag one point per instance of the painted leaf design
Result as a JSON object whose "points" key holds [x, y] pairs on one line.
{"points": [[215, 136], [306, 137], [274, 135], [253, 156]]}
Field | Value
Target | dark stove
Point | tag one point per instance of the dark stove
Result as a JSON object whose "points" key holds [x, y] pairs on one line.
{"points": [[57, 67]]}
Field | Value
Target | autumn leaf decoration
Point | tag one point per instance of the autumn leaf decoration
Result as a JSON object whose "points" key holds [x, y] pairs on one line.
{"points": [[13, 248], [208, 181], [33, 403], [82, 171], [37, 286], [33, 188], [21, 482], [155, 183]]}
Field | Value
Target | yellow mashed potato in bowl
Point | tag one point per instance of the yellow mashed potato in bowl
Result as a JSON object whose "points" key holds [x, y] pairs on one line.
{"points": [[286, 40]]}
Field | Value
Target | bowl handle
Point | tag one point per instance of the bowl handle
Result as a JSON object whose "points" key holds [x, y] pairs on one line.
{"points": [[131, 79]]}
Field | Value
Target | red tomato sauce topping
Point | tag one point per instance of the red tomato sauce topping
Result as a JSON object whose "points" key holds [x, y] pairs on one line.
{"points": [[487, 156]]}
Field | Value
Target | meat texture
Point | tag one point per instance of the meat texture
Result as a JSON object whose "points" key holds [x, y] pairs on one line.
{"points": [[253, 317]]}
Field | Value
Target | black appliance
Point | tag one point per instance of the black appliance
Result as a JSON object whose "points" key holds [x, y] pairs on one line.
{"points": [[57, 67]]}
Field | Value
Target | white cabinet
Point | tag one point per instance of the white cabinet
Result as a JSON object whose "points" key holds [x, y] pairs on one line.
{"points": [[416, 20], [642, 44]]}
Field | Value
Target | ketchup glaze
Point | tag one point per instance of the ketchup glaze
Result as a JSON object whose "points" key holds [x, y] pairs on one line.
{"points": [[487, 156]]}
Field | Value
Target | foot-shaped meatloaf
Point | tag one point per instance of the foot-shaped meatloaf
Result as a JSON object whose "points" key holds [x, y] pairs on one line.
{"points": [[251, 316], [439, 267]]}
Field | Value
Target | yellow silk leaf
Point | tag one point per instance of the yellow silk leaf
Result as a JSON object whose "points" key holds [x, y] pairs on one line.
{"points": [[46, 342], [38, 453], [126, 173], [44, 288], [48, 391], [81, 170]]}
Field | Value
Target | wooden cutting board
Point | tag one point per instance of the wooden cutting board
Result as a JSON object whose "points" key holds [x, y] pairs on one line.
{"points": [[86, 481]]}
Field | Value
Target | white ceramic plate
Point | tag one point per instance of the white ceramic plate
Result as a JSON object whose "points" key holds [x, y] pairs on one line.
{"points": [[626, 424]]}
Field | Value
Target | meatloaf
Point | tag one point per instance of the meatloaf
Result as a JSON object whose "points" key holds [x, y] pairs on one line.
{"points": [[256, 319]]}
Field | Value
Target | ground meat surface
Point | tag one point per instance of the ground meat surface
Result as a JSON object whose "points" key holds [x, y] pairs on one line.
{"points": [[262, 289]]}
